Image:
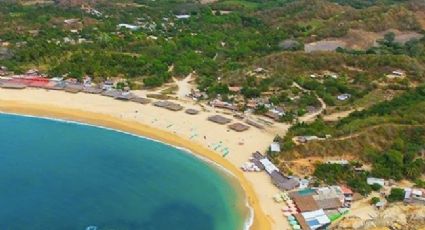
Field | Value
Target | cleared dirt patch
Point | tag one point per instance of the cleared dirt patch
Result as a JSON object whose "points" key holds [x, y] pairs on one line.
{"points": [[324, 45], [360, 39]]}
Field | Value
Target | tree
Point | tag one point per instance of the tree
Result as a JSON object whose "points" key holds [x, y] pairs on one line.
{"points": [[389, 37], [376, 187], [374, 200], [397, 194]]}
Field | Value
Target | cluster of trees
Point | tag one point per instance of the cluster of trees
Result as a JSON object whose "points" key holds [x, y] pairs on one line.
{"points": [[332, 174], [401, 161], [405, 109], [400, 158], [205, 43], [389, 46]]}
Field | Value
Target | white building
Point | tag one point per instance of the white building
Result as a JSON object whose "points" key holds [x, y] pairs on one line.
{"points": [[268, 165], [373, 180], [183, 16], [344, 97], [128, 26], [275, 147]]}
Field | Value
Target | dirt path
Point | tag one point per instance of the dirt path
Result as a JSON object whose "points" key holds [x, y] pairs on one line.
{"points": [[184, 86], [311, 116], [338, 116]]}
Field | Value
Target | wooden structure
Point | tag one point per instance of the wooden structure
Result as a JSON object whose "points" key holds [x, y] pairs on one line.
{"points": [[11, 85], [192, 111], [140, 100], [238, 127], [92, 90], [73, 88], [255, 124], [219, 119]]}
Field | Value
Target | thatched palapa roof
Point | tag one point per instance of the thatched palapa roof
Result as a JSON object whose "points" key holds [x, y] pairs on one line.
{"points": [[219, 119], [192, 111], [239, 127], [168, 105], [141, 100]]}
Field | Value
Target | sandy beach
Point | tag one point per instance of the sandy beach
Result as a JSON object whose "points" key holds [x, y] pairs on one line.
{"points": [[194, 133]]}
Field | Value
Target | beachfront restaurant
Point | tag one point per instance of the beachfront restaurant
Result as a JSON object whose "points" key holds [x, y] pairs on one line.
{"points": [[278, 179]]}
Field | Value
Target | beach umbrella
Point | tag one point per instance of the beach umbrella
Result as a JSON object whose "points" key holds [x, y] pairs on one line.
{"points": [[292, 206], [296, 227], [293, 222], [287, 213], [289, 201], [291, 218], [286, 209], [293, 212]]}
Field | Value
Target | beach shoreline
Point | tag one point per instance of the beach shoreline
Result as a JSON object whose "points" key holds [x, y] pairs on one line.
{"points": [[260, 220]]}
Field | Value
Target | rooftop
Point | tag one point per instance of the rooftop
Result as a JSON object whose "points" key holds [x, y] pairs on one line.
{"points": [[219, 119], [239, 127], [305, 203], [332, 203], [192, 111]]}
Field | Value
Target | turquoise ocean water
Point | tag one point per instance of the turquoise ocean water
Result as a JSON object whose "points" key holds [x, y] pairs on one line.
{"points": [[57, 175]]}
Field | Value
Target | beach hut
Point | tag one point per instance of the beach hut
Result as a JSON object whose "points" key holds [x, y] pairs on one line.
{"points": [[141, 100], [191, 111], [219, 119], [238, 127]]}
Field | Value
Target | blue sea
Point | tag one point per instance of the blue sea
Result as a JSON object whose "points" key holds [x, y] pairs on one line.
{"points": [[62, 175]]}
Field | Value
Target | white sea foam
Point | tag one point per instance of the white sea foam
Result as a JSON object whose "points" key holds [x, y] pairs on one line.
{"points": [[247, 223]]}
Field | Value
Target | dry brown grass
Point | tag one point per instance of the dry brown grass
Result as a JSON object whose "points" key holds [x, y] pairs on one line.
{"points": [[420, 16], [356, 145]]}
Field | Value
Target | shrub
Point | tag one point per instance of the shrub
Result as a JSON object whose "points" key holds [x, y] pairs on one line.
{"points": [[397, 194], [376, 187], [374, 200]]}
